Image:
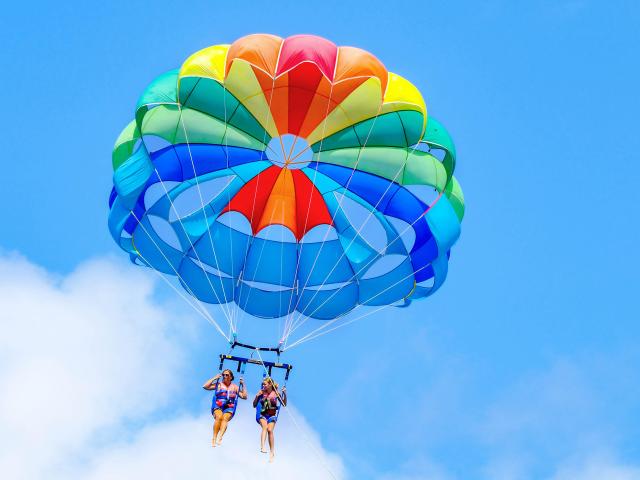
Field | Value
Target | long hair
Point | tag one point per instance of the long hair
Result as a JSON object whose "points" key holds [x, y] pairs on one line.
{"points": [[271, 382]]}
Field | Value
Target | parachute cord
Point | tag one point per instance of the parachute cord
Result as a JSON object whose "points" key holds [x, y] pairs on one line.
{"points": [[328, 299], [226, 314], [301, 318], [301, 152], [278, 332], [259, 256], [226, 154], [290, 315], [295, 423], [314, 334], [201, 309], [201, 264], [338, 208], [206, 218], [253, 206]]}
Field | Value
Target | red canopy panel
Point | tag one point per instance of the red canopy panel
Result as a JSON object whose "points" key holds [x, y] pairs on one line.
{"points": [[279, 196]]}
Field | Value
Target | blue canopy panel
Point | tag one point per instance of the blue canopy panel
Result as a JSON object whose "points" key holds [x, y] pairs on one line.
{"points": [[264, 275], [363, 231], [323, 263], [271, 262], [267, 284], [329, 301], [173, 165], [183, 206], [205, 282], [389, 287], [225, 239], [178, 162], [112, 196], [155, 251], [326, 279], [388, 197], [200, 191], [118, 218], [122, 222], [130, 178], [446, 229], [444, 224], [392, 200], [407, 207], [367, 240], [264, 300]]}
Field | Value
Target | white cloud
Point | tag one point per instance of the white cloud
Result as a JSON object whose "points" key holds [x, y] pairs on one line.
{"points": [[87, 360], [87, 355], [181, 449]]}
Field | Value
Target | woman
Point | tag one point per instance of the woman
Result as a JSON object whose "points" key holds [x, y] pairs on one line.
{"points": [[266, 403], [223, 404]]}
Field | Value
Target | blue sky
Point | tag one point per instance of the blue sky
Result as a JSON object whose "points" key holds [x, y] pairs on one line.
{"points": [[525, 363]]}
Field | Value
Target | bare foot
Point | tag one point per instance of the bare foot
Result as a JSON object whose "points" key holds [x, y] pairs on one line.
{"points": [[271, 455], [262, 450], [213, 442]]}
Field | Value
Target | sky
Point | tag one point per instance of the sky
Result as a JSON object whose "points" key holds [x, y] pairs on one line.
{"points": [[522, 366]]}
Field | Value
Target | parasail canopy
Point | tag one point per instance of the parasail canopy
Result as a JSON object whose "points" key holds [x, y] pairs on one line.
{"points": [[289, 178]]}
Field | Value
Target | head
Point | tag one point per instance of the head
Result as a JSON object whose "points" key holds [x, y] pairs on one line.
{"points": [[227, 375], [268, 384]]}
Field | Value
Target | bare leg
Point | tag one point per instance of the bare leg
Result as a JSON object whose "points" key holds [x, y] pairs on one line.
{"points": [[223, 426], [263, 434], [217, 419], [272, 452]]}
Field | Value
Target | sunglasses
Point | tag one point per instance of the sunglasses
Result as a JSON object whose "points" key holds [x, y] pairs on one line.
{"points": [[226, 375]]}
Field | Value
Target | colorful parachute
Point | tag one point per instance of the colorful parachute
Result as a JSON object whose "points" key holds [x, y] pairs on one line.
{"points": [[287, 176]]}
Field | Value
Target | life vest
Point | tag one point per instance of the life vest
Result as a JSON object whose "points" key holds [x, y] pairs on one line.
{"points": [[268, 404], [224, 397]]}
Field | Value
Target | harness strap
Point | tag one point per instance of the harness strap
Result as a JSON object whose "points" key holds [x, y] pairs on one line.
{"points": [[240, 389]]}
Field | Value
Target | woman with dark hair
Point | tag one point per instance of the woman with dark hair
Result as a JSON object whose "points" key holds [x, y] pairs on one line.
{"points": [[267, 403], [223, 404]]}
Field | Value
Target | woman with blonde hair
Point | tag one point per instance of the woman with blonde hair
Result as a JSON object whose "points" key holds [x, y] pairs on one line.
{"points": [[267, 404], [223, 404]]}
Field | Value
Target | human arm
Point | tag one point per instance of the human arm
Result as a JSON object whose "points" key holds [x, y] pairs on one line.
{"points": [[242, 391], [257, 398], [211, 383]]}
